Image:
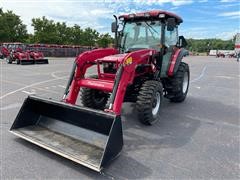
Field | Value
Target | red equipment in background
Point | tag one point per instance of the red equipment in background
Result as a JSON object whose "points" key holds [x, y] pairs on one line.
{"points": [[19, 53], [4, 51], [37, 56], [15, 52]]}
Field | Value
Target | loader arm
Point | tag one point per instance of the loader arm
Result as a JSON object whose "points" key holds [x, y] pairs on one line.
{"points": [[130, 63], [122, 79], [83, 62]]}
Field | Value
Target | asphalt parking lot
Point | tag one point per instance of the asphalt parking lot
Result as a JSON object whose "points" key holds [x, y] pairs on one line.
{"points": [[199, 138]]}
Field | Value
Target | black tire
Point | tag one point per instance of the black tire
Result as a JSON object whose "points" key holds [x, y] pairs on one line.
{"points": [[18, 61], [9, 60], [148, 103], [93, 98], [179, 84]]}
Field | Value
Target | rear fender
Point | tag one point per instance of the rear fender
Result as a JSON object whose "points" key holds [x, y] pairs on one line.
{"points": [[176, 60]]}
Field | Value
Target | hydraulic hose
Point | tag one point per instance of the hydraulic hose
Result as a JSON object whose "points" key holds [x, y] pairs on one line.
{"points": [[70, 80]]}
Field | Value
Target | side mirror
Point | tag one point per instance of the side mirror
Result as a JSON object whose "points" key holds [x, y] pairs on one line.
{"points": [[171, 24], [114, 27], [182, 41]]}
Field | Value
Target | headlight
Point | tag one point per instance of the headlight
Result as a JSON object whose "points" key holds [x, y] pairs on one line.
{"points": [[121, 18], [161, 15], [131, 15]]}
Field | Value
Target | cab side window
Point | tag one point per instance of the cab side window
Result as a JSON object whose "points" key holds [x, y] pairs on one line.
{"points": [[171, 37]]}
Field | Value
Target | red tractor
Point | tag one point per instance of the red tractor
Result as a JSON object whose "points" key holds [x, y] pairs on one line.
{"points": [[18, 52], [36, 55], [145, 66], [4, 51]]}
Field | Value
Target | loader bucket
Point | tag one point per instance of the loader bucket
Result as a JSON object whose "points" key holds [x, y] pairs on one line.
{"points": [[25, 62], [89, 137], [41, 61]]}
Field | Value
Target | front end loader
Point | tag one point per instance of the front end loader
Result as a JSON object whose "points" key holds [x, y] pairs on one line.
{"points": [[38, 57], [145, 66]]}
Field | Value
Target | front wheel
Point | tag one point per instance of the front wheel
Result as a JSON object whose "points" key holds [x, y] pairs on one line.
{"points": [[149, 101], [94, 98]]}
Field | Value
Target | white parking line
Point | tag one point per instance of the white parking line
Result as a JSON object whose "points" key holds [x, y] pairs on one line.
{"points": [[62, 86], [200, 76], [31, 85], [226, 77], [11, 106], [28, 92], [53, 74], [38, 88]]}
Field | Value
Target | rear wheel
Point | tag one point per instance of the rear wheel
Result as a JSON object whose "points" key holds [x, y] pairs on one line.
{"points": [[179, 83], [93, 98], [148, 103]]}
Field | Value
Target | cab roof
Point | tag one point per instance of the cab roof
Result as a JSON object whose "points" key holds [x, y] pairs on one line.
{"points": [[152, 14]]}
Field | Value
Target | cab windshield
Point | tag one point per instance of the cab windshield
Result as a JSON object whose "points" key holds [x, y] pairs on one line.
{"points": [[141, 35]]}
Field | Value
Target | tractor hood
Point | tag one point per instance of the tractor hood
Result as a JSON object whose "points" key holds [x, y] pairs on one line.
{"points": [[117, 58], [22, 55]]}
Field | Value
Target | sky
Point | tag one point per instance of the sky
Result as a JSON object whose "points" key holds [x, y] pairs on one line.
{"points": [[201, 18]]}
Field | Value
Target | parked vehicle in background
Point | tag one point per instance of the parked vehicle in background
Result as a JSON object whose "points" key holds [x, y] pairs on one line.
{"points": [[37, 56], [4, 51], [19, 53], [15, 52]]}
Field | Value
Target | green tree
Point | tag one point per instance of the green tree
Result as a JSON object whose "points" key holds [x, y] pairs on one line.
{"points": [[104, 40], [12, 28], [90, 37], [204, 45], [76, 35], [45, 31]]}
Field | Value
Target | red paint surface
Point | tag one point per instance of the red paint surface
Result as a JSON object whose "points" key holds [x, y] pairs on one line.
{"points": [[173, 62], [106, 80]]}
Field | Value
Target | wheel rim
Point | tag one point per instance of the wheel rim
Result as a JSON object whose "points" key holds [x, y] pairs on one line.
{"points": [[185, 83], [156, 104]]}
